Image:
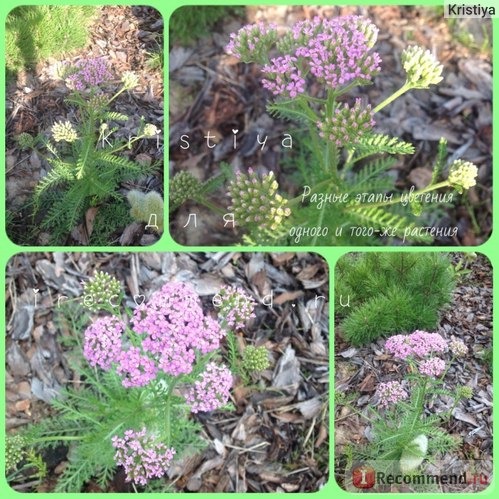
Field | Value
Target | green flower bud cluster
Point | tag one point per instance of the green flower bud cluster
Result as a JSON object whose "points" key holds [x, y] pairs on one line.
{"points": [[255, 359], [464, 392], [253, 42], [255, 201], [145, 206], [421, 66], [98, 102], [183, 186], [347, 125], [64, 131], [25, 141], [14, 451], [462, 174], [100, 290]]}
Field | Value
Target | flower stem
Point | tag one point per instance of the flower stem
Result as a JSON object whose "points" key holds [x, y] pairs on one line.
{"points": [[404, 88], [119, 92]]}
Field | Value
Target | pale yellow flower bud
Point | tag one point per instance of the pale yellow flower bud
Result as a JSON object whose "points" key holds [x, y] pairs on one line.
{"points": [[64, 131], [421, 66]]}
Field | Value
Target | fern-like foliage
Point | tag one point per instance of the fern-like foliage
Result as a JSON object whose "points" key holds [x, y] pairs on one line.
{"points": [[380, 143], [292, 110], [372, 177]]}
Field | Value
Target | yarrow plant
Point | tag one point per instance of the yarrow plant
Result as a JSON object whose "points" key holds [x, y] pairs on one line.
{"points": [[403, 434], [87, 154], [147, 370], [309, 71]]}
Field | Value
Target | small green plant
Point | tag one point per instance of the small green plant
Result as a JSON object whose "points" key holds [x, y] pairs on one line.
{"points": [[155, 60], [109, 222], [461, 268], [404, 433], [88, 159], [36, 32], [142, 373], [487, 357], [346, 195], [384, 293]]}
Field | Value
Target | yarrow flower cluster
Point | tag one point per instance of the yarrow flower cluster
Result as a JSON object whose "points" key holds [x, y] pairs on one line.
{"points": [[64, 131], [151, 130], [458, 348], [347, 124], [211, 391], [465, 392], [102, 342], [25, 140], [129, 79], [183, 186], [337, 50], [390, 393], [283, 77], [90, 73], [418, 344], [255, 359], [462, 174], [136, 368], [433, 367], [175, 330], [175, 327], [334, 51], [142, 458], [252, 41], [255, 200], [101, 290], [421, 66], [14, 451], [235, 307]]}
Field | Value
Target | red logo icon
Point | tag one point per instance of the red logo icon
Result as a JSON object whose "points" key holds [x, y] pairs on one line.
{"points": [[363, 477]]}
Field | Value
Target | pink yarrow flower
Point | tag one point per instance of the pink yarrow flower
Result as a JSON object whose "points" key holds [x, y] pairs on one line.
{"points": [[250, 39], [102, 342], [336, 52], [212, 391], [418, 344], [175, 327], [390, 393], [142, 458], [90, 73], [136, 368], [433, 367], [283, 77]]}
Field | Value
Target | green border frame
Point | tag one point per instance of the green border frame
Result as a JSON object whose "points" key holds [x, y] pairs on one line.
{"points": [[166, 244]]}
